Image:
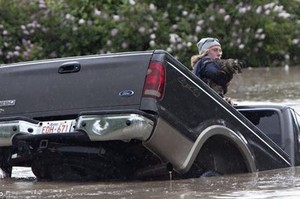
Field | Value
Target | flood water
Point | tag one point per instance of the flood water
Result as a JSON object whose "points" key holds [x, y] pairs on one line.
{"points": [[267, 84], [284, 183], [263, 85]]}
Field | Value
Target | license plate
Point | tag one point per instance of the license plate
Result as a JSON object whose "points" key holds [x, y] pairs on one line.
{"points": [[56, 126]]}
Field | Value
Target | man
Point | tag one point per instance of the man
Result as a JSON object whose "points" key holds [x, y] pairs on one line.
{"points": [[209, 66]]}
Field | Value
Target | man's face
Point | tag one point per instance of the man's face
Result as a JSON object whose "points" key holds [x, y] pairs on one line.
{"points": [[215, 52]]}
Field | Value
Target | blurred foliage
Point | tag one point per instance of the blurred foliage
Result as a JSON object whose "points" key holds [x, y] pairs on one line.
{"points": [[261, 32]]}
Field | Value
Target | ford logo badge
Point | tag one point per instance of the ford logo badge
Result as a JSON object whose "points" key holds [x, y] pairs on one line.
{"points": [[126, 93]]}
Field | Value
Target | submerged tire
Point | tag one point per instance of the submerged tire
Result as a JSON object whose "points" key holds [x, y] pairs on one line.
{"points": [[210, 174], [40, 170], [6, 168], [74, 169], [220, 155]]}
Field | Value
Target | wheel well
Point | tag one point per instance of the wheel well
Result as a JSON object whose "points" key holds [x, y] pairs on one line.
{"points": [[221, 154]]}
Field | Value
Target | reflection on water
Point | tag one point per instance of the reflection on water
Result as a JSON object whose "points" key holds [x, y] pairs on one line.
{"points": [[272, 85], [266, 84], [281, 183]]}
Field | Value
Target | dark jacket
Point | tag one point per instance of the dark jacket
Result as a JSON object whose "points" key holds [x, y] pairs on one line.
{"points": [[207, 68]]}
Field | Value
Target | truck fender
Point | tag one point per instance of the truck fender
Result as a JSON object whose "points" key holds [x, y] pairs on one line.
{"points": [[238, 139]]}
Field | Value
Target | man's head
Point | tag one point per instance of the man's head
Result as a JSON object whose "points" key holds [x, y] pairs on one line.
{"points": [[206, 43], [210, 46]]}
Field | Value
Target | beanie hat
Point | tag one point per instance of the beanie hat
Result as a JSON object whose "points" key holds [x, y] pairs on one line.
{"points": [[206, 43]]}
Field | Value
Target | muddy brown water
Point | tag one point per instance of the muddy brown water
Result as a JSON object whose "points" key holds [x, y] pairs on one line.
{"points": [[253, 85]]}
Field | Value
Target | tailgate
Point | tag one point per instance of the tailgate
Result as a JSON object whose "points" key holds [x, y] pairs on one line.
{"points": [[59, 87]]}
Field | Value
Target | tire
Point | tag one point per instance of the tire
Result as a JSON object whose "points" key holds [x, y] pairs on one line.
{"points": [[4, 165], [221, 156], [210, 174], [74, 169]]}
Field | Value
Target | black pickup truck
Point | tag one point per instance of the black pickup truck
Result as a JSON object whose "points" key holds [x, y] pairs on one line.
{"points": [[135, 115]]}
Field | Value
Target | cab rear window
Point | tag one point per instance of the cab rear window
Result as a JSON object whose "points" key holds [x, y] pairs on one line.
{"points": [[267, 121]]}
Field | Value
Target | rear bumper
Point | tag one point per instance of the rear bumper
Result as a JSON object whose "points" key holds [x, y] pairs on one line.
{"points": [[98, 127], [115, 127]]}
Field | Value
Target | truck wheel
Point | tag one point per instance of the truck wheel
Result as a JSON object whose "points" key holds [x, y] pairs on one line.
{"points": [[197, 172], [74, 169], [220, 155], [6, 171], [210, 174], [44, 170], [40, 170], [4, 165], [68, 172]]}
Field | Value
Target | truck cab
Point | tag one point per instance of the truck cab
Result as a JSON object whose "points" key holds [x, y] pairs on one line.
{"points": [[281, 123]]}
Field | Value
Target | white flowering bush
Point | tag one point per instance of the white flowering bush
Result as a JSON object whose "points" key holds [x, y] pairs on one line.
{"points": [[263, 33]]}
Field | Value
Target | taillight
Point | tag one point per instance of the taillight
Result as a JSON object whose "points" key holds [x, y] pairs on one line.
{"points": [[155, 80]]}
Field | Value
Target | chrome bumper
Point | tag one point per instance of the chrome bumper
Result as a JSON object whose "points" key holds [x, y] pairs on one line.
{"points": [[8, 129], [115, 127], [98, 128]]}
